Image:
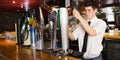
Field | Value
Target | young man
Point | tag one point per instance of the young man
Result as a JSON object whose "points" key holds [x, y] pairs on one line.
{"points": [[95, 32]]}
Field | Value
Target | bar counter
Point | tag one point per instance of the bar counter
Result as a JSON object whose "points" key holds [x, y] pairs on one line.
{"points": [[112, 35], [10, 51], [112, 46]]}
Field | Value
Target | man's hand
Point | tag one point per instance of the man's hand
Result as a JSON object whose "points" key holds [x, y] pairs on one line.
{"points": [[76, 13], [72, 28], [70, 35]]}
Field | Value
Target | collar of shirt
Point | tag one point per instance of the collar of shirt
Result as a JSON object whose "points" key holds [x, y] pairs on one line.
{"points": [[93, 19]]}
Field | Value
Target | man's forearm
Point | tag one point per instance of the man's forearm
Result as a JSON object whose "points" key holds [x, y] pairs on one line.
{"points": [[70, 35], [90, 30]]}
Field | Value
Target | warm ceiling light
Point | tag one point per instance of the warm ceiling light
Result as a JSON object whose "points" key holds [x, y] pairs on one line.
{"points": [[21, 6], [13, 2], [26, 5]]}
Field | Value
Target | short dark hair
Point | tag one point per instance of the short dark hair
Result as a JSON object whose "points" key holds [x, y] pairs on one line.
{"points": [[92, 3]]}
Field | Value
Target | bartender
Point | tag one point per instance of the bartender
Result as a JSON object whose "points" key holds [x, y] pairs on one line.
{"points": [[95, 31]]}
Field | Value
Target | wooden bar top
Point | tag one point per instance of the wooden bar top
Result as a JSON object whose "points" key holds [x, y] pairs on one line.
{"points": [[112, 35], [10, 51]]}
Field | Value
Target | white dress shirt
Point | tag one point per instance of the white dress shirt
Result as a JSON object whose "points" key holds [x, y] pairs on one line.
{"points": [[94, 43]]}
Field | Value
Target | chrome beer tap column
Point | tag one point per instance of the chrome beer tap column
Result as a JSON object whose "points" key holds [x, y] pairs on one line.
{"points": [[52, 18]]}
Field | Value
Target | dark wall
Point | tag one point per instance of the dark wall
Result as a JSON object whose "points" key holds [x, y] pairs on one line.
{"points": [[8, 20]]}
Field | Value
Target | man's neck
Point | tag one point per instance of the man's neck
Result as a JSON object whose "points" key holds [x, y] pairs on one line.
{"points": [[91, 18]]}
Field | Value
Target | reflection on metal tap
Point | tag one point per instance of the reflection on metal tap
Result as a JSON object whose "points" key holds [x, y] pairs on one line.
{"points": [[52, 18], [33, 51]]}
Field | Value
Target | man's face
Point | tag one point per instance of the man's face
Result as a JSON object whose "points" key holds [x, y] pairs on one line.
{"points": [[90, 12]]}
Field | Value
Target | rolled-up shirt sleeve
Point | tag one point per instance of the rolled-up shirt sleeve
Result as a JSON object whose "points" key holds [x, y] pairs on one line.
{"points": [[101, 27]]}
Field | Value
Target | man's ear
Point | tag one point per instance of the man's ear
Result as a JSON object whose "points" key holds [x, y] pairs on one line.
{"points": [[95, 10]]}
